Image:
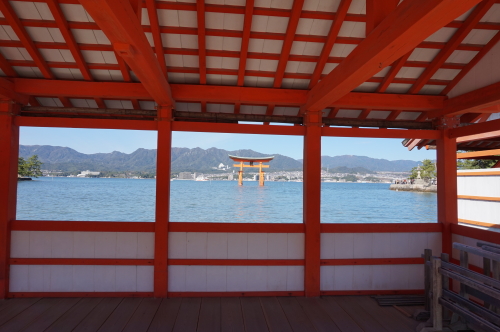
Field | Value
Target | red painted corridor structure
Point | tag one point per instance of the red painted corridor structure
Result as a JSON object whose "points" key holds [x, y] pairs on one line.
{"points": [[422, 70]]}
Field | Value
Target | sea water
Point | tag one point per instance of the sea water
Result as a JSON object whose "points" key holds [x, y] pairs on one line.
{"points": [[96, 199]]}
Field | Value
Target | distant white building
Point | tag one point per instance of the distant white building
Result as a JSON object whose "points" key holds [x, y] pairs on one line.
{"points": [[87, 173]]}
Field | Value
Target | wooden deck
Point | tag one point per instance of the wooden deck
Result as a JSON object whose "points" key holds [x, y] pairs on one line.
{"points": [[339, 313]]}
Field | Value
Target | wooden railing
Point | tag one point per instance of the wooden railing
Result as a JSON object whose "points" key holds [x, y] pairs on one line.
{"points": [[483, 287]]}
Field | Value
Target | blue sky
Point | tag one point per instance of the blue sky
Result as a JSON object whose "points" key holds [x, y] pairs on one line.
{"points": [[99, 140]]}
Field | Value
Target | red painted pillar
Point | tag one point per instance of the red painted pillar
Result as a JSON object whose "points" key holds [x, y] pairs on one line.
{"points": [[162, 201], [312, 202], [447, 186], [9, 151]]}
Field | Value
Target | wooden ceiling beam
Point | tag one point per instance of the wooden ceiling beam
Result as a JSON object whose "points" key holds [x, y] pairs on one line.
{"points": [[406, 27], [202, 47], [291, 30], [7, 91], [476, 129], [472, 155], [243, 54], [236, 34], [117, 19], [155, 31], [330, 41], [69, 39], [6, 67], [451, 45], [222, 94], [472, 101], [377, 11]]}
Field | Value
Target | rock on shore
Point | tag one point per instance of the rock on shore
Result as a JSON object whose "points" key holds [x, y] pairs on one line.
{"points": [[414, 187]]}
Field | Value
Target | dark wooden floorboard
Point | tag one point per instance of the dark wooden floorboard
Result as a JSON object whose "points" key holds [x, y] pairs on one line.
{"points": [[94, 320], [75, 315], [296, 316], [164, 319], [343, 321], [117, 321], [388, 317], [15, 306], [362, 318], [253, 316], [4, 304], [246, 314], [50, 316], [231, 315], [143, 316], [210, 315], [318, 317], [187, 318], [275, 317], [27, 316]]}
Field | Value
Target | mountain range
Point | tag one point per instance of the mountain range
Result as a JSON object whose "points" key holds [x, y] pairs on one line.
{"points": [[190, 160]]}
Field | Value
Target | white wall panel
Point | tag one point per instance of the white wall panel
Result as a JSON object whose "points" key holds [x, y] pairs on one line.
{"points": [[484, 211], [237, 246], [377, 245], [372, 277], [257, 246], [48, 244], [194, 245], [235, 278], [81, 278], [487, 186], [217, 278]]}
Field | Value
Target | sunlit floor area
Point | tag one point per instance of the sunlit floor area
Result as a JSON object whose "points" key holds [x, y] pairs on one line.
{"points": [[329, 313]]}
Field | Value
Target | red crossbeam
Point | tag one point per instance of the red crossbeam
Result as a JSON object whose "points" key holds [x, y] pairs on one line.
{"points": [[330, 41], [202, 48], [287, 44], [243, 54], [155, 31], [410, 23], [452, 44], [120, 24]]}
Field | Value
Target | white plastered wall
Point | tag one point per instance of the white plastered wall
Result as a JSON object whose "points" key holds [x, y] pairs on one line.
{"points": [[81, 278], [482, 186], [203, 245], [375, 245]]}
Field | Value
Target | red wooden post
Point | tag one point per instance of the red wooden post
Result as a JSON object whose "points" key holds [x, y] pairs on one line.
{"points": [[312, 202], [447, 186], [9, 150], [162, 201]]}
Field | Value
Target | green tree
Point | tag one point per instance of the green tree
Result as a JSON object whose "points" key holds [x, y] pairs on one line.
{"points": [[21, 167], [427, 170], [475, 163], [29, 167]]}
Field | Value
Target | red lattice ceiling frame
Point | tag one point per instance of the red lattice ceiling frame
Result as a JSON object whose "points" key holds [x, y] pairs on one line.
{"points": [[246, 34]]}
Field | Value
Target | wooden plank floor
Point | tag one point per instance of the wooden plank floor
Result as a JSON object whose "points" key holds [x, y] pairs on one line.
{"points": [[274, 314]]}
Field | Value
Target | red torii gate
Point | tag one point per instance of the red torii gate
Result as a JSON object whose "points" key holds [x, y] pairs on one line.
{"points": [[251, 160]]}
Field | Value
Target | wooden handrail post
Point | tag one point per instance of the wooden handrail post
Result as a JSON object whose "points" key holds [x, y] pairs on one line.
{"points": [[446, 283], [427, 278], [464, 262], [437, 292]]}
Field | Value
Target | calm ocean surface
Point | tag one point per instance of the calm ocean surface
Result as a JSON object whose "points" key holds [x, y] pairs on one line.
{"points": [[217, 201]]}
